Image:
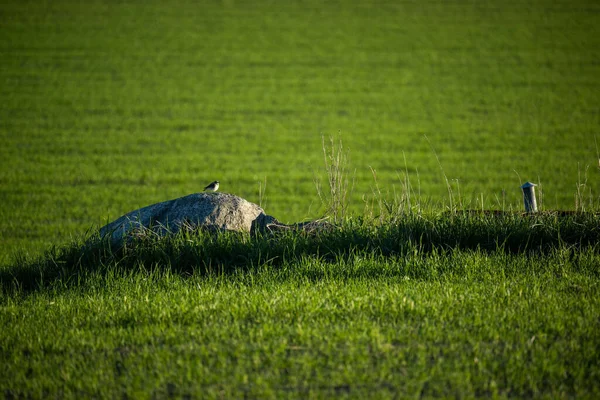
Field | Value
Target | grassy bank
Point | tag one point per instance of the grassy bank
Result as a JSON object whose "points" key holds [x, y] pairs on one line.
{"points": [[205, 254]]}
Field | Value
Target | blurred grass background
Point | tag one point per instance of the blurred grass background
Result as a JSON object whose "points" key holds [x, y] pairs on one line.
{"points": [[107, 106]]}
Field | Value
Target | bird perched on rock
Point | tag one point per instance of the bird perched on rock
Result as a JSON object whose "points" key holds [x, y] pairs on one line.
{"points": [[212, 187]]}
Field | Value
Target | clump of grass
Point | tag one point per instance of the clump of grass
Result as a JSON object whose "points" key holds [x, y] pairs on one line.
{"points": [[262, 193], [583, 194], [451, 199], [395, 206], [339, 188]]}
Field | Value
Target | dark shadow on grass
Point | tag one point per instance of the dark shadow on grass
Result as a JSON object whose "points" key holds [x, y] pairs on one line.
{"points": [[201, 252]]}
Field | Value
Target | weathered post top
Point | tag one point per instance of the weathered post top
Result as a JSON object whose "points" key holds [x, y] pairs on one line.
{"points": [[529, 196]]}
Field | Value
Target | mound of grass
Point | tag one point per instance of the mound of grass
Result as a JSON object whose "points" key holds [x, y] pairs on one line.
{"points": [[207, 253]]}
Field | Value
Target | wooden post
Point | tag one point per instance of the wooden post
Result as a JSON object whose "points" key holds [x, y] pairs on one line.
{"points": [[529, 197]]}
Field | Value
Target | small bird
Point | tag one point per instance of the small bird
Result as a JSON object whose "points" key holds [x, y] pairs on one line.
{"points": [[213, 186]]}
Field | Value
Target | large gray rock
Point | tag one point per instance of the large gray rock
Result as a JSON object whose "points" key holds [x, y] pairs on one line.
{"points": [[213, 211]]}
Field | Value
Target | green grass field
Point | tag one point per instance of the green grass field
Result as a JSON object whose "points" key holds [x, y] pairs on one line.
{"points": [[426, 307], [109, 106]]}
